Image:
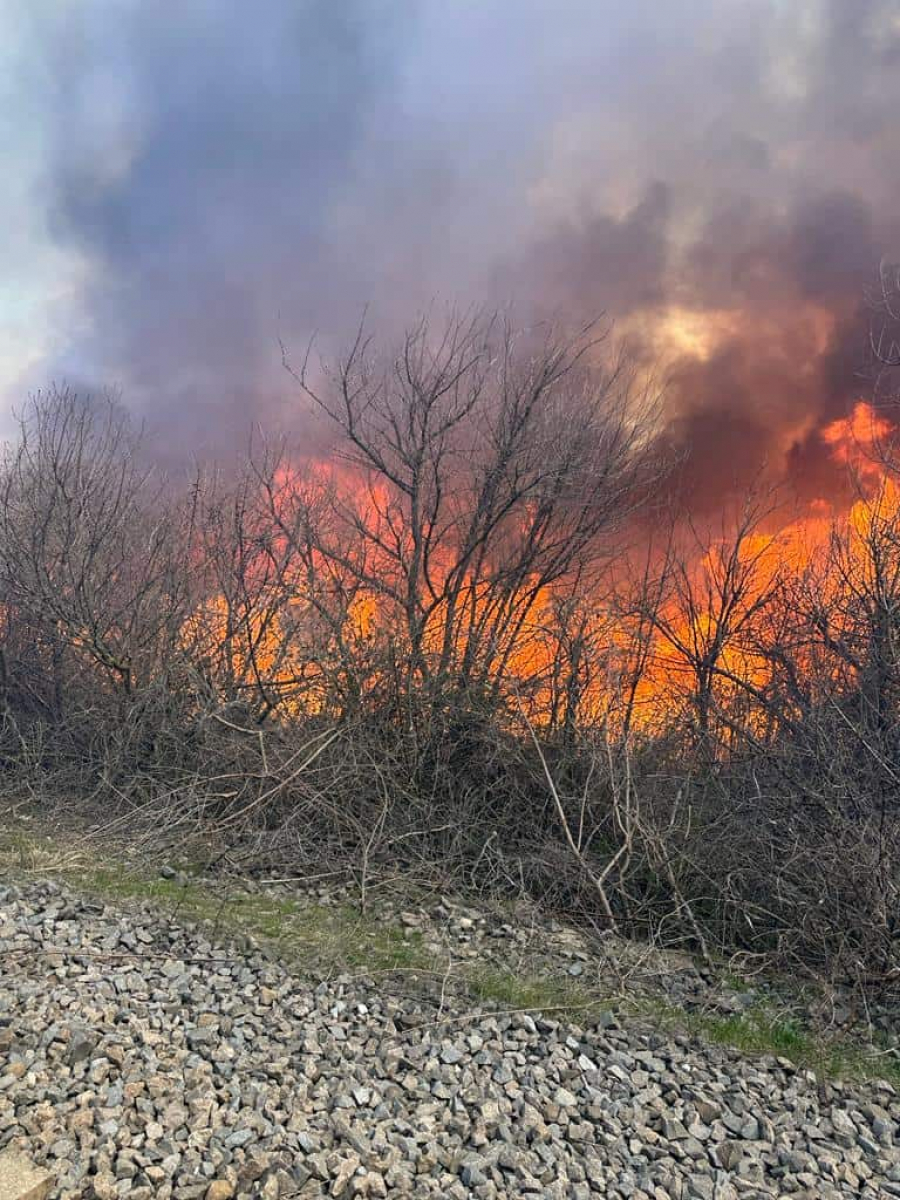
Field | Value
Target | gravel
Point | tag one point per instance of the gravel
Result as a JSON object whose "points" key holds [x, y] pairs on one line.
{"points": [[139, 1060]]}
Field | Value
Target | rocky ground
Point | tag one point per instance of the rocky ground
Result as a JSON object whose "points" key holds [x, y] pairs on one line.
{"points": [[138, 1059]]}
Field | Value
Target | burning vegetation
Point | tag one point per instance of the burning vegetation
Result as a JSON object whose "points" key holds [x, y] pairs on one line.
{"points": [[475, 637]]}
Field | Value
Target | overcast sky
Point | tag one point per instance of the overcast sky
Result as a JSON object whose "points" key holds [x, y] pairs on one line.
{"points": [[186, 183]]}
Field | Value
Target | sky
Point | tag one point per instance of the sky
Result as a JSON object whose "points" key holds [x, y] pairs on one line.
{"points": [[188, 184]]}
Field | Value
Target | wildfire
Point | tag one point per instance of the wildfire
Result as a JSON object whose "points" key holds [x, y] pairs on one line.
{"points": [[715, 631], [858, 441], [704, 634]]}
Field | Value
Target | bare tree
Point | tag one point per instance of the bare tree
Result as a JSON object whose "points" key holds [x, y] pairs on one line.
{"points": [[711, 594], [86, 540], [489, 467]]}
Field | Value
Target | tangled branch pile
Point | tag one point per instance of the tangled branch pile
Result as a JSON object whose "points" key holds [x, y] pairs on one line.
{"points": [[433, 647]]}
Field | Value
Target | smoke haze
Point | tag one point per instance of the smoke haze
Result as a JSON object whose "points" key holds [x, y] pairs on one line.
{"points": [[192, 182]]}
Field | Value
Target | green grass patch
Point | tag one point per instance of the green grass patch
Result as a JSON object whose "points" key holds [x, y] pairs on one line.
{"points": [[18, 849], [769, 1030], [846, 1059], [321, 937], [507, 989], [758, 1031]]}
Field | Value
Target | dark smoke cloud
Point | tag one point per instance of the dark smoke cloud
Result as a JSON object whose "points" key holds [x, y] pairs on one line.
{"points": [[231, 174], [602, 264]]}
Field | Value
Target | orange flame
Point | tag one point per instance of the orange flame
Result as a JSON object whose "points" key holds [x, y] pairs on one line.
{"points": [[717, 633]]}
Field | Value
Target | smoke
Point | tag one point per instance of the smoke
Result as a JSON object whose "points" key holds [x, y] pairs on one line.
{"points": [[719, 176]]}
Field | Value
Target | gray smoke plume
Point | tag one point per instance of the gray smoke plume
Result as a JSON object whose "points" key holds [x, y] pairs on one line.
{"points": [[719, 176]]}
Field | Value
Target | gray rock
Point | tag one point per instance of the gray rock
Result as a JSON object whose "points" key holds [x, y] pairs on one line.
{"points": [[81, 1045], [235, 1077]]}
